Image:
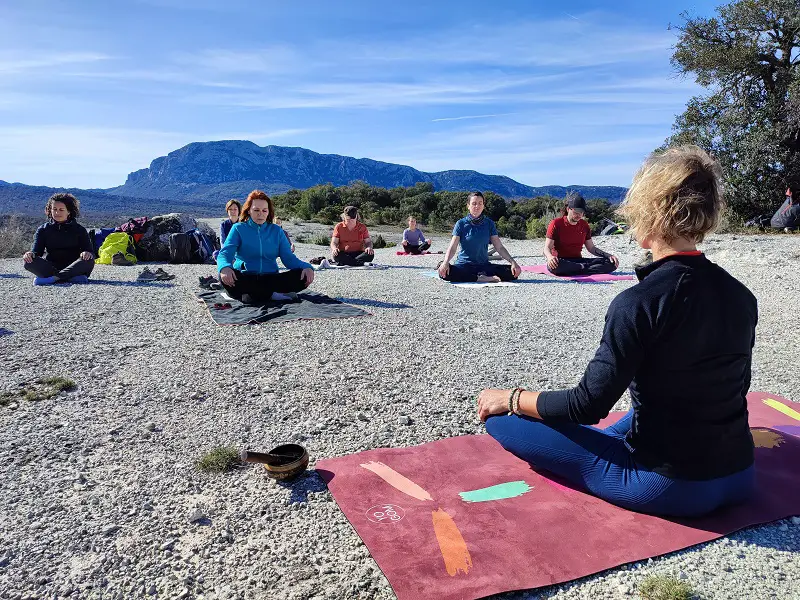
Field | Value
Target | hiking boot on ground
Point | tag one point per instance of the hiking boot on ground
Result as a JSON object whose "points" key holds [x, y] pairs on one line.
{"points": [[207, 282], [119, 260], [146, 275], [162, 275]]}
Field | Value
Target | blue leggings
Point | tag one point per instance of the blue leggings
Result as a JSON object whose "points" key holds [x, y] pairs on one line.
{"points": [[598, 461]]}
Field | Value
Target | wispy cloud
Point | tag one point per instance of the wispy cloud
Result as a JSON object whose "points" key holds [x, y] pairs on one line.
{"points": [[466, 117], [17, 64], [263, 61]]}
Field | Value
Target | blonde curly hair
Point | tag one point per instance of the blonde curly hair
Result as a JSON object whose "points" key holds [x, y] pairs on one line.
{"points": [[675, 194]]}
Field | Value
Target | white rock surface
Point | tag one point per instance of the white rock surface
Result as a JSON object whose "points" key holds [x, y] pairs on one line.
{"points": [[100, 493]]}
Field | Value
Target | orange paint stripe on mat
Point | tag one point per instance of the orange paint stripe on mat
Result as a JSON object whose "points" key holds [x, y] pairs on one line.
{"points": [[451, 543], [764, 438], [779, 406], [397, 481]]}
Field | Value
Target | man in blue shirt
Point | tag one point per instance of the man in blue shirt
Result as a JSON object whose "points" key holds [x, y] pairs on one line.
{"points": [[474, 233]]}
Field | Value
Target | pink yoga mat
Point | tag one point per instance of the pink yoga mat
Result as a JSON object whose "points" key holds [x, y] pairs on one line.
{"points": [[401, 253], [542, 270], [434, 543]]}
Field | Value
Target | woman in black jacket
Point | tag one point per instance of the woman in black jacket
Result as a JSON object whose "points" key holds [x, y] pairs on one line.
{"points": [[680, 341], [62, 251]]}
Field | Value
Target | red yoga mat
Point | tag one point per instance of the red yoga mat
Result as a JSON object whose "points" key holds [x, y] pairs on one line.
{"points": [[542, 270], [426, 516]]}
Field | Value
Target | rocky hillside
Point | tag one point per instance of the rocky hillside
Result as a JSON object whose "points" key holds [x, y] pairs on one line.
{"points": [[20, 199], [216, 171]]}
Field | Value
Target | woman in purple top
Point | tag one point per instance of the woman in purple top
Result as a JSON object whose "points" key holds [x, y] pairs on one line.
{"points": [[414, 241]]}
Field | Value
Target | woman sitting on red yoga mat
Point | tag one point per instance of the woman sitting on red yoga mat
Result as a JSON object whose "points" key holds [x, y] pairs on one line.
{"points": [[681, 341], [566, 237]]}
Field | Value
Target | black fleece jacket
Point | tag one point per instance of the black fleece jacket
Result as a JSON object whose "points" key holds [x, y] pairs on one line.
{"points": [[681, 341], [63, 242]]}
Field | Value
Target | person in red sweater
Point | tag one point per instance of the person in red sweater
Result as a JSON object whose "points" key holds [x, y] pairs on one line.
{"points": [[566, 237]]}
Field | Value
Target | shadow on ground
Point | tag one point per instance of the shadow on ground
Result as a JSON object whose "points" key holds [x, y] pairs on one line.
{"points": [[308, 482], [372, 303]]}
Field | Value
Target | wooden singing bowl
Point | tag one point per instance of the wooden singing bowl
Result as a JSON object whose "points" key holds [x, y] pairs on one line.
{"points": [[284, 462]]}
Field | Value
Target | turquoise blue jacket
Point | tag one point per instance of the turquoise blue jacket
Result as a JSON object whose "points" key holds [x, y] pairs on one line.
{"points": [[255, 248]]}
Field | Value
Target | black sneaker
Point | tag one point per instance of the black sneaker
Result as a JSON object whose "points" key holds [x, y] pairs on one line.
{"points": [[119, 260], [147, 275], [206, 282]]}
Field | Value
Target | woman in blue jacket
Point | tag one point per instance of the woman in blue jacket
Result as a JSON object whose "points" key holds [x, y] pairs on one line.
{"points": [[62, 251], [247, 262]]}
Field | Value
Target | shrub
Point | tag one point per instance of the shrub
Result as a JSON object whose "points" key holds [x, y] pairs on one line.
{"points": [[379, 242], [321, 239], [219, 460], [42, 389], [16, 235], [536, 228], [513, 228], [664, 587], [330, 215], [58, 383]]}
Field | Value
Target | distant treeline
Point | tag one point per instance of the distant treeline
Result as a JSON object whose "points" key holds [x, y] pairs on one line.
{"points": [[518, 219]]}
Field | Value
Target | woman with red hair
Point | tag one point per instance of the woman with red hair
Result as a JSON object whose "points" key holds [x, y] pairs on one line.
{"points": [[247, 262]]}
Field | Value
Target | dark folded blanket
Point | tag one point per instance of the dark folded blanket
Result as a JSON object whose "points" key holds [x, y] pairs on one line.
{"points": [[310, 306]]}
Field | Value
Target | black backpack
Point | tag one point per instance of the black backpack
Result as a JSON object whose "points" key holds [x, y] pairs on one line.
{"points": [[180, 248]]}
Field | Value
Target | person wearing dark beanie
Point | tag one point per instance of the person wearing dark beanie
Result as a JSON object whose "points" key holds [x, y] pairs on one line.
{"points": [[681, 342], [566, 237]]}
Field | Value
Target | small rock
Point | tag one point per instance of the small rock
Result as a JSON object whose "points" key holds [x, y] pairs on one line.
{"points": [[167, 545], [795, 520], [197, 515], [361, 416], [783, 527], [404, 420], [111, 530], [682, 576], [150, 426]]}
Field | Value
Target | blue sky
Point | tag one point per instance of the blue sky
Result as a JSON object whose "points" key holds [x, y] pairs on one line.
{"points": [[571, 92]]}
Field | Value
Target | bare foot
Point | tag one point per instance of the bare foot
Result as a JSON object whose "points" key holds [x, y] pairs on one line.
{"points": [[486, 279]]}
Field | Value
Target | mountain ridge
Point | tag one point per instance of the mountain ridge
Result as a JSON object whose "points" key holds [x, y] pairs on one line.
{"points": [[230, 168], [202, 176]]}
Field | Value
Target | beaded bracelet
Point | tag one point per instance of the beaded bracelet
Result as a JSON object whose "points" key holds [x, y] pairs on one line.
{"points": [[513, 401], [519, 398]]}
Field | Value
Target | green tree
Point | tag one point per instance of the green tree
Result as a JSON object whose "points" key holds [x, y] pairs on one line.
{"points": [[748, 57], [316, 198]]}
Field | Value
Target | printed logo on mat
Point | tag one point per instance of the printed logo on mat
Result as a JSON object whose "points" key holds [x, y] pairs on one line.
{"points": [[385, 513]]}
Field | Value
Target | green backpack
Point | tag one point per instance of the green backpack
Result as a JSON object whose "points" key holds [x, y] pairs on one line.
{"points": [[114, 243]]}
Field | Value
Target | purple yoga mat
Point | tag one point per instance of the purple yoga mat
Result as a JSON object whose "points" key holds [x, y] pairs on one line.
{"points": [[542, 270], [433, 542]]}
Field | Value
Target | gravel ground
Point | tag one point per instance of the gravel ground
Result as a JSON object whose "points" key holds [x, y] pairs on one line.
{"points": [[101, 498]]}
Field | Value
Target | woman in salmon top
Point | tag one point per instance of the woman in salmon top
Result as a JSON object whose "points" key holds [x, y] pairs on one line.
{"points": [[350, 244]]}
